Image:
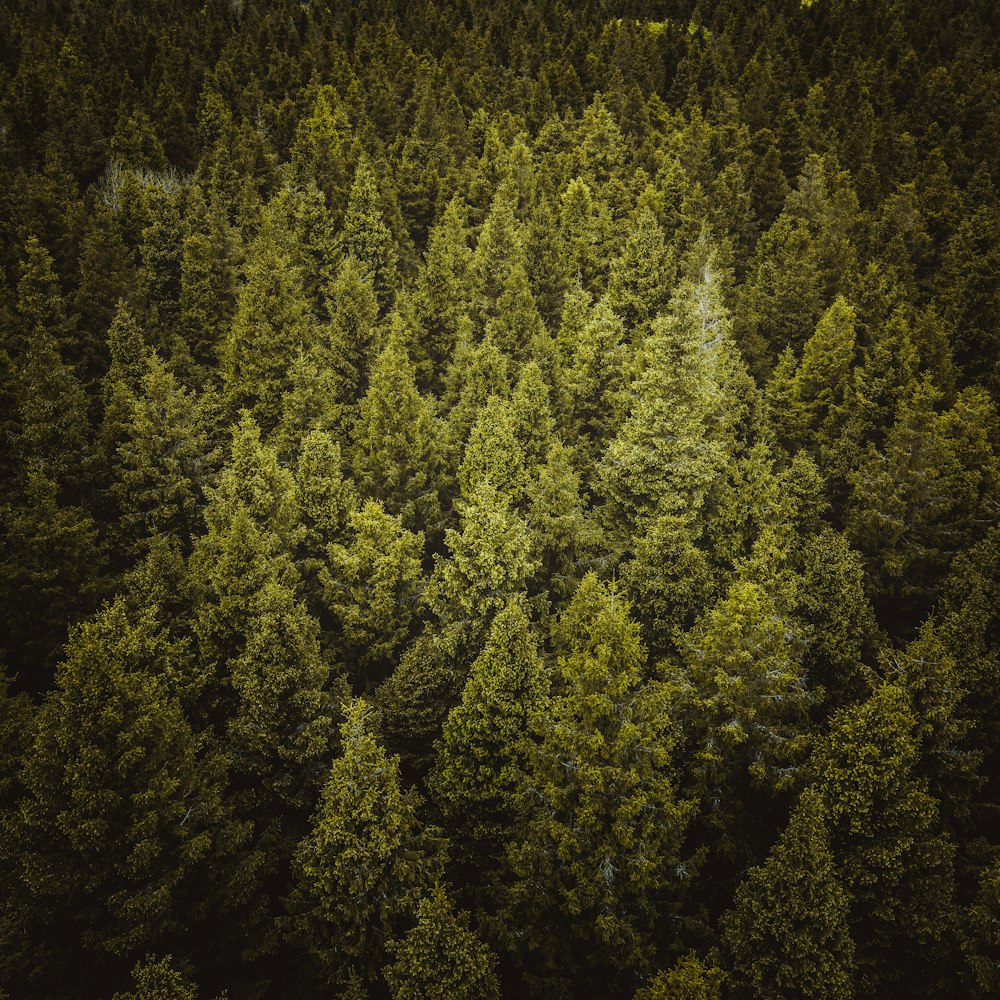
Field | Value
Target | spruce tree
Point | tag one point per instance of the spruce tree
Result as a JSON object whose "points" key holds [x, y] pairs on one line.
{"points": [[396, 453], [789, 933], [482, 755], [365, 863], [439, 958], [272, 323], [372, 589]]}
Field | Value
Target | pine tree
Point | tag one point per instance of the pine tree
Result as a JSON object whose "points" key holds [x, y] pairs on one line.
{"points": [[669, 451], [318, 153], [281, 729], [271, 324], [477, 373], [596, 379], [488, 563], [51, 566], [439, 958], [499, 250], [482, 755], [668, 579], [600, 843], [372, 589], [396, 454], [159, 275], [347, 343], [160, 464], [492, 454], [365, 863], [565, 539], [689, 979], [886, 841], [640, 277], [324, 501], [366, 237], [743, 673], [207, 279], [442, 297], [822, 381], [927, 496], [158, 980], [578, 232], [116, 810], [515, 324], [788, 933], [531, 411]]}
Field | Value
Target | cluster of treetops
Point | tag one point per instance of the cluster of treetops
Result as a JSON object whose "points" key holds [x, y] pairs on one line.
{"points": [[499, 500]]}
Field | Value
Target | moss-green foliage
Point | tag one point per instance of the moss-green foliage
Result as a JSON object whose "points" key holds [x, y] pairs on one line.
{"points": [[440, 957], [605, 393], [366, 861]]}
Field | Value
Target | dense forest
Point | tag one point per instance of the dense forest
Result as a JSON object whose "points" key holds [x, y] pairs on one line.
{"points": [[499, 500]]}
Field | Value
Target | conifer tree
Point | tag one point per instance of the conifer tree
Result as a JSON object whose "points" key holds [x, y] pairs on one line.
{"points": [[601, 838], [596, 379], [482, 754], [477, 373], [366, 237], [372, 589], [366, 861], [744, 675], [160, 464], [669, 450], [531, 411], [442, 296], [493, 454], [640, 278], [318, 153], [516, 326], [788, 933], [488, 563], [439, 958], [324, 501], [207, 279], [499, 249], [578, 232], [158, 980], [159, 275], [396, 456], [281, 729], [688, 979], [927, 495], [668, 579], [886, 841], [51, 566], [347, 344], [271, 325], [116, 810], [566, 541]]}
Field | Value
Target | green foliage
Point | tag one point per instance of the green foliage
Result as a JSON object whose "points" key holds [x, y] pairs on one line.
{"points": [[482, 754], [373, 587], [894, 860], [608, 394], [365, 235], [397, 455], [601, 837], [689, 979], [440, 958], [366, 862], [270, 325], [668, 451], [788, 934], [158, 981], [115, 810]]}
